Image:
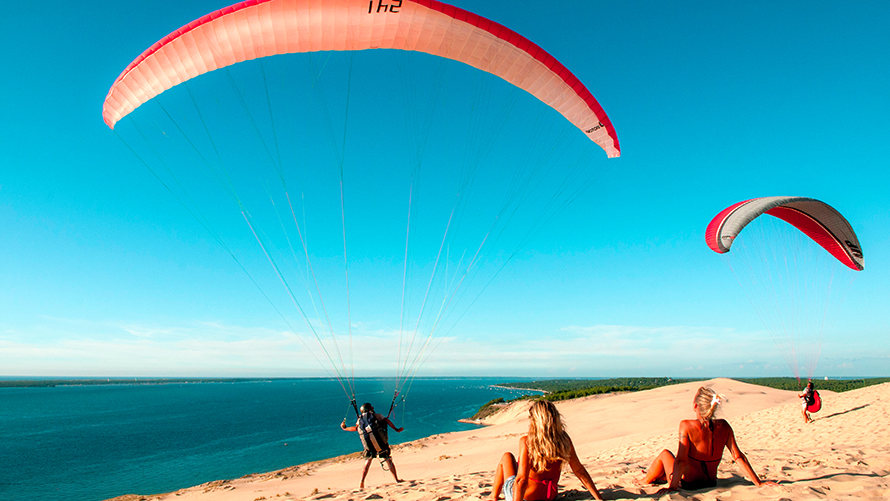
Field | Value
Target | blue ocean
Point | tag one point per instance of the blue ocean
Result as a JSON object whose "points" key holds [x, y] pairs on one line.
{"points": [[100, 441]]}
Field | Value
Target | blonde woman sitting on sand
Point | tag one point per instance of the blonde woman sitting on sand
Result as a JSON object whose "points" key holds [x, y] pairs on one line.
{"points": [[542, 454], [701, 448]]}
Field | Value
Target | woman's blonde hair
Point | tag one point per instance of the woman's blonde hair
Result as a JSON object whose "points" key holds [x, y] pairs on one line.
{"points": [[707, 401], [547, 439]]}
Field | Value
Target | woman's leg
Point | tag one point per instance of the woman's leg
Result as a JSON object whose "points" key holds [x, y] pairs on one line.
{"points": [[660, 469], [506, 469]]}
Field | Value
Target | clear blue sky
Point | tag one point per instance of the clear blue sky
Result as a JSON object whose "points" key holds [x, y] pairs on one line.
{"points": [[102, 273]]}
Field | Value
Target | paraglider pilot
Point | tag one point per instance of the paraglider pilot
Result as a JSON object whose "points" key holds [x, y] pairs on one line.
{"points": [[806, 400], [371, 428]]}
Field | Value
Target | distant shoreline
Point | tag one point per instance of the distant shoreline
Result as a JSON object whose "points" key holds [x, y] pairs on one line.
{"points": [[51, 383], [545, 392], [472, 421], [38, 381]]}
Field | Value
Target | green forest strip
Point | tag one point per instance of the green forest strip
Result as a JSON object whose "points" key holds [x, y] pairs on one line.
{"points": [[558, 386], [835, 385], [566, 389]]}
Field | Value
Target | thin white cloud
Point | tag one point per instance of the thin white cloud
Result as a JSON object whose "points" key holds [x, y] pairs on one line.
{"points": [[210, 348]]}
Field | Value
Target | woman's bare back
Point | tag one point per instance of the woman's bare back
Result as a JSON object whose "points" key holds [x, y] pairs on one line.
{"points": [[705, 443]]}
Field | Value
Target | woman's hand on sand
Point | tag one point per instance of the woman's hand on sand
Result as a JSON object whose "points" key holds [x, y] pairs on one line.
{"points": [[641, 480]]}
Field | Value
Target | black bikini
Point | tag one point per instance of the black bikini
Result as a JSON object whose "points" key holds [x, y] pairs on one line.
{"points": [[702, 483]]}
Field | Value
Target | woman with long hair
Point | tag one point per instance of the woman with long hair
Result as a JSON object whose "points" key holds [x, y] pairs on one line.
{"points": [[701, 448], [542, 454]]}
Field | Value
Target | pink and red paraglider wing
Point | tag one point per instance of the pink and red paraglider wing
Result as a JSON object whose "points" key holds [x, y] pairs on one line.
{"points": [[260, 28]]}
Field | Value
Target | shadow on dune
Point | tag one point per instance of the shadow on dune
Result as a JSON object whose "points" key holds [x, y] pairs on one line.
{"points": [[839, 474], [611, 494], [723, 483], [844, 412], [573, 494], [649, 492]]}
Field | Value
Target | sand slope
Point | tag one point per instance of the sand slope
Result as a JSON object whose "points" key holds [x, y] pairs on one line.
{"points": [[844, 454]]}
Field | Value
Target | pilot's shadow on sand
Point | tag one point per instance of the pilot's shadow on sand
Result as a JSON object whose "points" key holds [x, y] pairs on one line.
{"points": [[845, 412], [839, 474]]}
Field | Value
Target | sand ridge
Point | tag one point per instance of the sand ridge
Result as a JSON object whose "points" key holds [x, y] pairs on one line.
{"points": [[844, 454]]}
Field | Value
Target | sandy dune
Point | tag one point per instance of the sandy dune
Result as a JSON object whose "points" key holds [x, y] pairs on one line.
{"points": [[844, 454]]}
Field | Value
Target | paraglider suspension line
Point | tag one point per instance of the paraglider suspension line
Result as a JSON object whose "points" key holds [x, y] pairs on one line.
{"points": [[392, 404], [354, 407]]}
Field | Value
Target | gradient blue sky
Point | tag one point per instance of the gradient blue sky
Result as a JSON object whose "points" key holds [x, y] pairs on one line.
{"points": [[103, 274]]}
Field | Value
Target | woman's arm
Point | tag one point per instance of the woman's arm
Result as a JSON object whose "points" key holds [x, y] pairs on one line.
{"points": [[682, 458], [521, 482], [581, 472], [739, 457]]}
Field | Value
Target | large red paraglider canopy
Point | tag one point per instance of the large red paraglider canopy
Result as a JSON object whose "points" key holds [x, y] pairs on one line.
{"points": [[260, 28]]}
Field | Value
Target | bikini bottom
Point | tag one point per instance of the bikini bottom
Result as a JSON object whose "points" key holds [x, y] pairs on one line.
{"points": [[552, 487], [694, 485]]}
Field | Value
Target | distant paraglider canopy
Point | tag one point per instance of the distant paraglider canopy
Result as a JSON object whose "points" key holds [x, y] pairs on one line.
{"points": [[818, 220], [781, 262], [338, 158]]}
